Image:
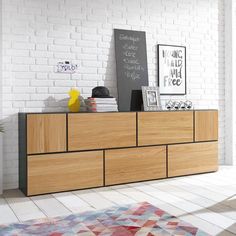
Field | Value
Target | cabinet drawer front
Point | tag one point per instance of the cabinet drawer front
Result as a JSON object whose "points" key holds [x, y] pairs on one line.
{"points": [[134, 164], [98, 131], [185, 159], [165, 127], [62, 172], [206, 125], [46, 133]]}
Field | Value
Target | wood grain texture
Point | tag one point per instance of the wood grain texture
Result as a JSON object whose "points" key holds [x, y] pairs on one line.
{"points": [[165, 127], [46, 133], [185, 159], [206, 125], [62, 172], [98, 131], [134, 164]]}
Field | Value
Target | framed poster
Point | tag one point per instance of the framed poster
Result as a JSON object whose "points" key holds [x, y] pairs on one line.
{"points": [[171, 69]]}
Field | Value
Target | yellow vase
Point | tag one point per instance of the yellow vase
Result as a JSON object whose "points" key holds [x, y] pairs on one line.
{"points": [[74, 102]]}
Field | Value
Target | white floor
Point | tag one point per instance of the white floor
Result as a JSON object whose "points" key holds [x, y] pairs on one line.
{"points": [[207, 201]]}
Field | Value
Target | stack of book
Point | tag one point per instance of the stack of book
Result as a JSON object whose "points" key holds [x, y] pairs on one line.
{"points": [[101, 104]]}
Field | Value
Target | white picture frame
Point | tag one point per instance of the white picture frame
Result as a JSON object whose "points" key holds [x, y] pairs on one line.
{"points": [[171, 69], [151, 98]]}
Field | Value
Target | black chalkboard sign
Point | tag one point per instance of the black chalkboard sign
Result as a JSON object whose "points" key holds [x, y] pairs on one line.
{"points": [[131, 68]]}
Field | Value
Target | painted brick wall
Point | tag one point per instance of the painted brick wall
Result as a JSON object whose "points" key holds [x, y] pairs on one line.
{"points": [[234, 77], [38, 34], [1, 151], [230, 82]]}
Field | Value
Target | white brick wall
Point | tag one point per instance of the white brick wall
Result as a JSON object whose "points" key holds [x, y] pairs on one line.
{"points": [[1, 151], [234, 77], [234, 70], [230, 83], [38, 34]]}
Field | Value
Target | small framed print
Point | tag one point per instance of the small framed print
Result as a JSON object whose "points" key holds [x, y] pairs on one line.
{"points": [[151, 98], [171, 69]]}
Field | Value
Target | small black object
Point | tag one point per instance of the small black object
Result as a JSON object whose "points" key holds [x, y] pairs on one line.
{"points": [[188, 105], [177, 105], [136, 100], [182, 105], [101, 92], [170, 105]]}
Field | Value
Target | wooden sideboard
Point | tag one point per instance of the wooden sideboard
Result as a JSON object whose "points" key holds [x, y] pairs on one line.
{"points": [[70, 151]]}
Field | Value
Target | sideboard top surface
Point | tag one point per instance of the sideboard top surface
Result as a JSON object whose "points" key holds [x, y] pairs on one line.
{"points": [[64, 112]]}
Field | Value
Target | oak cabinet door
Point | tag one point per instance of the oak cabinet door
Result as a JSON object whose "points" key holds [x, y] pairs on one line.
{"points": [[61, 172], [206, 125], [46, 133], [134, 164], [165, 127], [186, 159], [100, 131]]}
